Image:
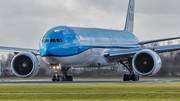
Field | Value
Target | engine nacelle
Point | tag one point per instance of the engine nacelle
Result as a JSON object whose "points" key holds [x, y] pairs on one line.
{"points": [[146, 62], [25, 65]]}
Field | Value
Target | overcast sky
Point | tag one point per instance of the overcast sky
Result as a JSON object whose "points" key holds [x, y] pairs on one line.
{"points": [[23, 22]]}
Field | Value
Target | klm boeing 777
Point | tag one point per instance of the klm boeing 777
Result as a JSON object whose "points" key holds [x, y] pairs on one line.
{"points": [[64, 47]]}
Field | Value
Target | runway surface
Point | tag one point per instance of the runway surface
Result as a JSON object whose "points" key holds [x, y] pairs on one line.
{"points": [[48, 81]]}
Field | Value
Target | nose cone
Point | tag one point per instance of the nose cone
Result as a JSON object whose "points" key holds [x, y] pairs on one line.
{"points": [[59, 41]]}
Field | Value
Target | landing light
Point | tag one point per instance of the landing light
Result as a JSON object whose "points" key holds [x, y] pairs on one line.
{"points": [[55, 67]]}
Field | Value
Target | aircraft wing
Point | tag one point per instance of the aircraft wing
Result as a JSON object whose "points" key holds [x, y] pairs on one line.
{"points": [[115, 55], [17, 50], [158, 40]]}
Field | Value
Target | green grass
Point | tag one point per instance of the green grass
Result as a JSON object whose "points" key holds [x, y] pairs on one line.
{"points": [[91, 92]]}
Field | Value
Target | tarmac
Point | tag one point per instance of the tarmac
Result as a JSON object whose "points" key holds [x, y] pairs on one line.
{"points": [[48, 81]]}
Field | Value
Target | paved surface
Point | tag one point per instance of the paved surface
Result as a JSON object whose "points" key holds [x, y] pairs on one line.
{"points": [[48, 81]]}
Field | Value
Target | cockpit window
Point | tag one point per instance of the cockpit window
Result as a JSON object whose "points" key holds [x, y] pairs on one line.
{"points": [[52, 40], [45, 40], [59, 40]]}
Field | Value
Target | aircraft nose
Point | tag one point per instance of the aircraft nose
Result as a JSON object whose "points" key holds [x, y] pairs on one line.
{"points": [[47, 50]]}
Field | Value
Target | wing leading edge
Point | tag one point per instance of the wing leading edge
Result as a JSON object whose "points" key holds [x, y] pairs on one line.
{"points": [[116, 55], [17, 50], [158, 40]]}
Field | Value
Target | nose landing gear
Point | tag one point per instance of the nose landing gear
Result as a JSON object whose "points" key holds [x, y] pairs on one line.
{"points": [[60, 74]]}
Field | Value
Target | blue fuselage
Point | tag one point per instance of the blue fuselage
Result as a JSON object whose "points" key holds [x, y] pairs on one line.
{"points": [[63, 41], [76, 40]]}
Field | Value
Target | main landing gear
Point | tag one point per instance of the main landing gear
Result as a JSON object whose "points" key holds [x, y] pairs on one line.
{"points": [[131, 76], [63, 73]]}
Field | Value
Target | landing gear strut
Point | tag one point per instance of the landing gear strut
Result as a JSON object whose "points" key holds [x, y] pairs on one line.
{"points": [[63, 74], [131, 76]]}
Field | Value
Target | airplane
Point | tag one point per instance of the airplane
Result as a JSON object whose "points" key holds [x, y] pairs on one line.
{"points": [[64, 47]]}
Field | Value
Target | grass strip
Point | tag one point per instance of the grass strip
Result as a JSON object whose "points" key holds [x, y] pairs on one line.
{"points": [[129, 96], [91, 88], [91, 91]]}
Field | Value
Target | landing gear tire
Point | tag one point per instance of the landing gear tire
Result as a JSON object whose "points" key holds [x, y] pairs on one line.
{"points": [[126, 77], [58, 78], [54, 78], [63, 74], [62, 78], [129, 77]]}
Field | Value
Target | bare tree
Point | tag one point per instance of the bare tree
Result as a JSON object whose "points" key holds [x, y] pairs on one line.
{"points": [[3, 62]]}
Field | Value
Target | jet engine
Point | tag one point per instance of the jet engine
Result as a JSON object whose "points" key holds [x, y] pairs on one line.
{"points": [[146, 62], [25, 65]]}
